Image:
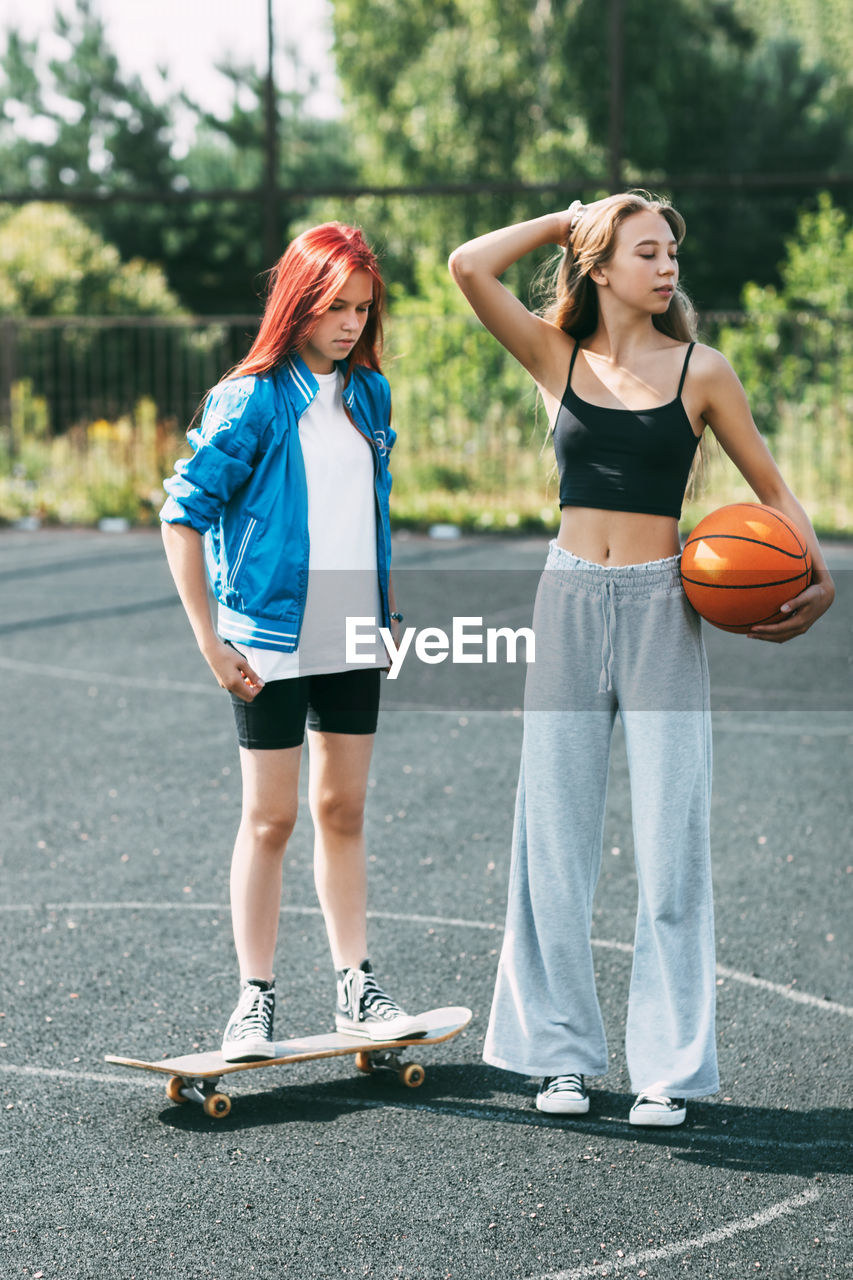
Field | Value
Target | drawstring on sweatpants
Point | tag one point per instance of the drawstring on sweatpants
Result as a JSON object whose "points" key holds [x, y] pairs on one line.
{"points": [[608, 617]]}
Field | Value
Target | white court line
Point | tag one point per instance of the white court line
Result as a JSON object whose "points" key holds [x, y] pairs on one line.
{"points": [[65, 1073], [99, 678], [799, 997], [95, 678], [734, 975], [753, 1223], [773, 730]]}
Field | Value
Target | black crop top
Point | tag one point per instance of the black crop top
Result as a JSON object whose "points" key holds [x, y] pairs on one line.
{"points": [[624, 459]]}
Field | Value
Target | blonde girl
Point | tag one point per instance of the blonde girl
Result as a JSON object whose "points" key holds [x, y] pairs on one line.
{"points": [[628, 392]]}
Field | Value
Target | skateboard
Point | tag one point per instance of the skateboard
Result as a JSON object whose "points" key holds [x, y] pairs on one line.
{"points": [[195, 1077]]}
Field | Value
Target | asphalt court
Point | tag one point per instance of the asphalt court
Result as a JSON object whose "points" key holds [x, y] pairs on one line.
{"points": [[121, 789]]}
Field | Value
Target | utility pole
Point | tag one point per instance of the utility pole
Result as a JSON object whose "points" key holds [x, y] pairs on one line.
{"points": [[616, 58], [272, 245]]}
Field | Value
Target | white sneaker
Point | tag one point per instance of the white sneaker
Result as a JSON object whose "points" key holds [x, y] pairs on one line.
{"points": [[364, 1009], [563, 1095], [657, 1109], [248, 1036]]}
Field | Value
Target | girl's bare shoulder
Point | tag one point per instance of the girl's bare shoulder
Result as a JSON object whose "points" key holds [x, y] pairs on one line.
{"points": [[708, 360], [710, 370]]}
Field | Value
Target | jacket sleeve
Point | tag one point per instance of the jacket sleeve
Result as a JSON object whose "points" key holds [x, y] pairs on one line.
{"points": [[224, 449]]}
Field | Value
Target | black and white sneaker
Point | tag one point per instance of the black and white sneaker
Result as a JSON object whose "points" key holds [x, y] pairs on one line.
{"points": [[564, 1095], [248, 1036], [364, 1009], [657, 1109]]}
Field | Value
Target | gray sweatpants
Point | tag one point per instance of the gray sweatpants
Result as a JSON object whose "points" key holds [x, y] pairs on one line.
{"points": [[611, 639]]}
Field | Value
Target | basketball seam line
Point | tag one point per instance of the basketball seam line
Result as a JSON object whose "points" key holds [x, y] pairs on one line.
{"points": [[738, 537], [785, 522], [741, 586]]}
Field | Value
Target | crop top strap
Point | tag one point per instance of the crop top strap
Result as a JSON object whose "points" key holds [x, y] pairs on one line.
{"points": [[684, 370], [572, 363]]}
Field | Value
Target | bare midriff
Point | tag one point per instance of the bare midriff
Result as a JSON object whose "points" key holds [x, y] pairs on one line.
{"points": [[617, 537]]}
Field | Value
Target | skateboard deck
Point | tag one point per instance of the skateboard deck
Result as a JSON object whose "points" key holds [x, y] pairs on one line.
{"points": [[194, 1077]]}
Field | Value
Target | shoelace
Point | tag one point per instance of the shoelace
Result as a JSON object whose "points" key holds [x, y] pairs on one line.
{"points": [[255, 1014], [572, 1082], [655, 1097], [375, 1001]]}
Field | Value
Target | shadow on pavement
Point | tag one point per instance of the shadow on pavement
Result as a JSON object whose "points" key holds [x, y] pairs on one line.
{"points": [[750, 1139]]}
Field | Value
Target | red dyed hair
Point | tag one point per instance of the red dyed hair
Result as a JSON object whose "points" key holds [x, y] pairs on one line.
{"points": [[303, 285]]}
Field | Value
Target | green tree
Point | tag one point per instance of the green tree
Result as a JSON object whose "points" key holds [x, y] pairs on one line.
{"points": [[794, 352], [79, 123], [824, 28], [53, 264], [459, 91], [518, 89], [781, 117], [218, 263]]}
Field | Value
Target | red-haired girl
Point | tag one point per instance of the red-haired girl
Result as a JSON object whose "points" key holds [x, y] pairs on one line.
{"points": [[628, 393], [285, 504]]}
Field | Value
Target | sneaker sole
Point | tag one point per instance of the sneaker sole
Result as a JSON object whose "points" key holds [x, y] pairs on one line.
{"points": [[665, 1120], [552, 1107], [379, 1032], [256, 1051]]}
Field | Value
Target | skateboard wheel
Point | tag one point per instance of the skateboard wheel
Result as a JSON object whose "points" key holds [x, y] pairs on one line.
{"points": [[413, 1075], [364, 1062], [217, 1105], [174, 1085]]}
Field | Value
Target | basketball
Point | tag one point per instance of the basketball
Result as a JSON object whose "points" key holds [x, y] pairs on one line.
{"points": [[741, 563]]}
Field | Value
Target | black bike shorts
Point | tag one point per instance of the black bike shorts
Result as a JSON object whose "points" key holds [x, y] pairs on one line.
{"points": [[343, 702]]}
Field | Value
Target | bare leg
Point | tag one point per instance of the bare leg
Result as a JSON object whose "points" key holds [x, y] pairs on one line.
{"points": [[270, 804], [336, 792]]}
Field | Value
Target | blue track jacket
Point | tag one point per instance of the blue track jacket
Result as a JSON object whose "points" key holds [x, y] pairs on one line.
{"points": [[244, 488]]}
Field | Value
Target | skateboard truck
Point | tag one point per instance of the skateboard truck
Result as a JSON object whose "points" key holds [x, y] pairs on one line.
{"points": [[202, 1090], [411, 1074]]}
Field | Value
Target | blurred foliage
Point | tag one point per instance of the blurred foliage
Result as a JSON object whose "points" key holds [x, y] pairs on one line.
{"points": [[439, 91], [519, 89], [53, 264], [473, 446], [78, 122], [215, 248], [794, 348], [94, 471], [823, 28], [96, 126]]}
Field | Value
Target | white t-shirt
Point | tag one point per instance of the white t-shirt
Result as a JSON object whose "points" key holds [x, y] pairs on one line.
{"points": [[343, 579]]}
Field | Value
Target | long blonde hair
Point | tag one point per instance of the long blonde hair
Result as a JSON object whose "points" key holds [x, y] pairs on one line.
{"points": [[573, 302]]}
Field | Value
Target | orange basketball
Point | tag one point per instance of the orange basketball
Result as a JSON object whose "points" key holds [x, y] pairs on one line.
{"points": [[741, 563]]}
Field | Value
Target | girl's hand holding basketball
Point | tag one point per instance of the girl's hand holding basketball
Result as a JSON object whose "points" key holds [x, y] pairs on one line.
{"points": [[804, 610], [232, 671]]}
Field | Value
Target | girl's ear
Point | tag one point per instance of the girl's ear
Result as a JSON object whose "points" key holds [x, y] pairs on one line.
{"points": [[596, 274]]}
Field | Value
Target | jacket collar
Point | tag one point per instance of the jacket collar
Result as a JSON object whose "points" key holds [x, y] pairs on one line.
{"points": [[300, 385]]}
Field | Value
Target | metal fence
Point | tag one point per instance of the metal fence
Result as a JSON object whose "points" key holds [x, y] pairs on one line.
{"points": [[117, 395], [83, 369]]}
